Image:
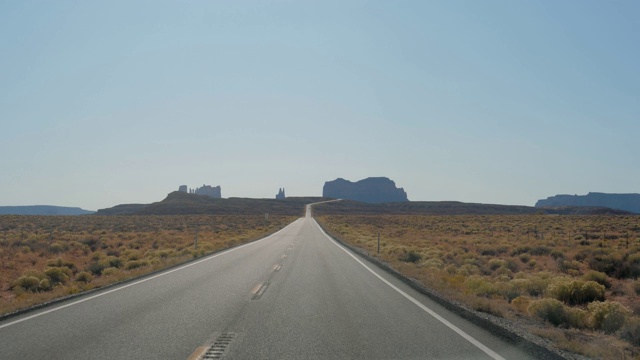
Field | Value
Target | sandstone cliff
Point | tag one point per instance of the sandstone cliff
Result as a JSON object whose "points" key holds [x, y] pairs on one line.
{"points": [[628, 202], [369, 190]]}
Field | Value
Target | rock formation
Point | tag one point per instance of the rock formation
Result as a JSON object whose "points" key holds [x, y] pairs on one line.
{"points": [[280, 195], [628, 202], [206, 190], [370, 190]]}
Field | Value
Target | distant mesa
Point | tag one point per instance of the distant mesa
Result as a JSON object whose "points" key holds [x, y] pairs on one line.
{"points": [[369, 190], [626, 202], [206, 190], [43, 210], [281, 195], [184, 203]]}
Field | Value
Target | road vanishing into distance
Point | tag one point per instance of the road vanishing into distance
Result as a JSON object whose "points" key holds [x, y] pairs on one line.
{"points": [[296, 294]]}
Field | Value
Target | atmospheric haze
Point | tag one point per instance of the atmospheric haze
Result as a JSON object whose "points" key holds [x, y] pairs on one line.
{"points": [[103, 103]]}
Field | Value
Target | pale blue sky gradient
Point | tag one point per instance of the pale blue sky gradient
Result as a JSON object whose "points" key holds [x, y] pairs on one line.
{"points": [[109, 102]]}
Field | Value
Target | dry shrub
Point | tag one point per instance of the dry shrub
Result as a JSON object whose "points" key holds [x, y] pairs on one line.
{"points": [[58, 275], [599, 277], [56, 247], [636, 286], [631, 331], [521, 304], [608, 316], [29, 283], [84, 276], [433, 263], [134, 264], [575, 292], [410, 256], [111, 271], [487, 306], [550, 310], [45, 285], [479, 286]]}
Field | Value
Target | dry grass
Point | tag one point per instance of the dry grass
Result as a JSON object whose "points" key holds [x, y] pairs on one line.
{"points": [[47, 257], [572, 272]]}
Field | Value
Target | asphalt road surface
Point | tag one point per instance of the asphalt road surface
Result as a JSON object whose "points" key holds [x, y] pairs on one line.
{"points": [[294, 295]]}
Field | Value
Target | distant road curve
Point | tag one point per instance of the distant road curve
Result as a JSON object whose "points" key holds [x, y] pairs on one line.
{"points": [[293, 295]]}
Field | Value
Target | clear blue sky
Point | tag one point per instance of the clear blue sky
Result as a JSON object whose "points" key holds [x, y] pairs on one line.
{"points": [[109, 102]]}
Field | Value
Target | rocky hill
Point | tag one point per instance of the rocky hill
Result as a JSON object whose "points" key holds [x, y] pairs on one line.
{"points": [[348, 207], [369, 190], [626, 202], [180, 203], [43, 210]]}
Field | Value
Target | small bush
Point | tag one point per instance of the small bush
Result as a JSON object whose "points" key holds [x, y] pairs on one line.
{"points": [[433, 264], [164, 253], [35, 273], [410, 256], [496, 263], [577, 318], [520, 250], [479, 286], [134, 255], [566, 266], [487, 306], [96, 267], [634, 259], [558, 314], [611, 265], [84, 276], [56, 248], [575, 292], [44, 285], [521, 304], [489, 251], [112, 261], [110, 271], [536, 286], [57, 275], [631, 331], [469, 269], [29, 283], [550, 310], [134, 264], [557, 254], [59, 262], [540, 251], [600, 278], [607, 316], [636, 286]]}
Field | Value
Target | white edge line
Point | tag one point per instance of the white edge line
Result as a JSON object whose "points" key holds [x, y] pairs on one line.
{"points": [[140, 281], [459, 331]]}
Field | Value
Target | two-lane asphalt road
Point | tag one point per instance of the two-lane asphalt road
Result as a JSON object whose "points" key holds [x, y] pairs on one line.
{"points": [[294, 295]]}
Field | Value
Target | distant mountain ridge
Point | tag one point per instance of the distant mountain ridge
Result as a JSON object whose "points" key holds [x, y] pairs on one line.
{"points": [[447, 208], [181, 203], [43, 210], [370, 190], [626, 202]]}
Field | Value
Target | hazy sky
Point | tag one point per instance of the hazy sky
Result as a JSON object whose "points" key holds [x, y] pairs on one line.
{"points": [[110, 102]]}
